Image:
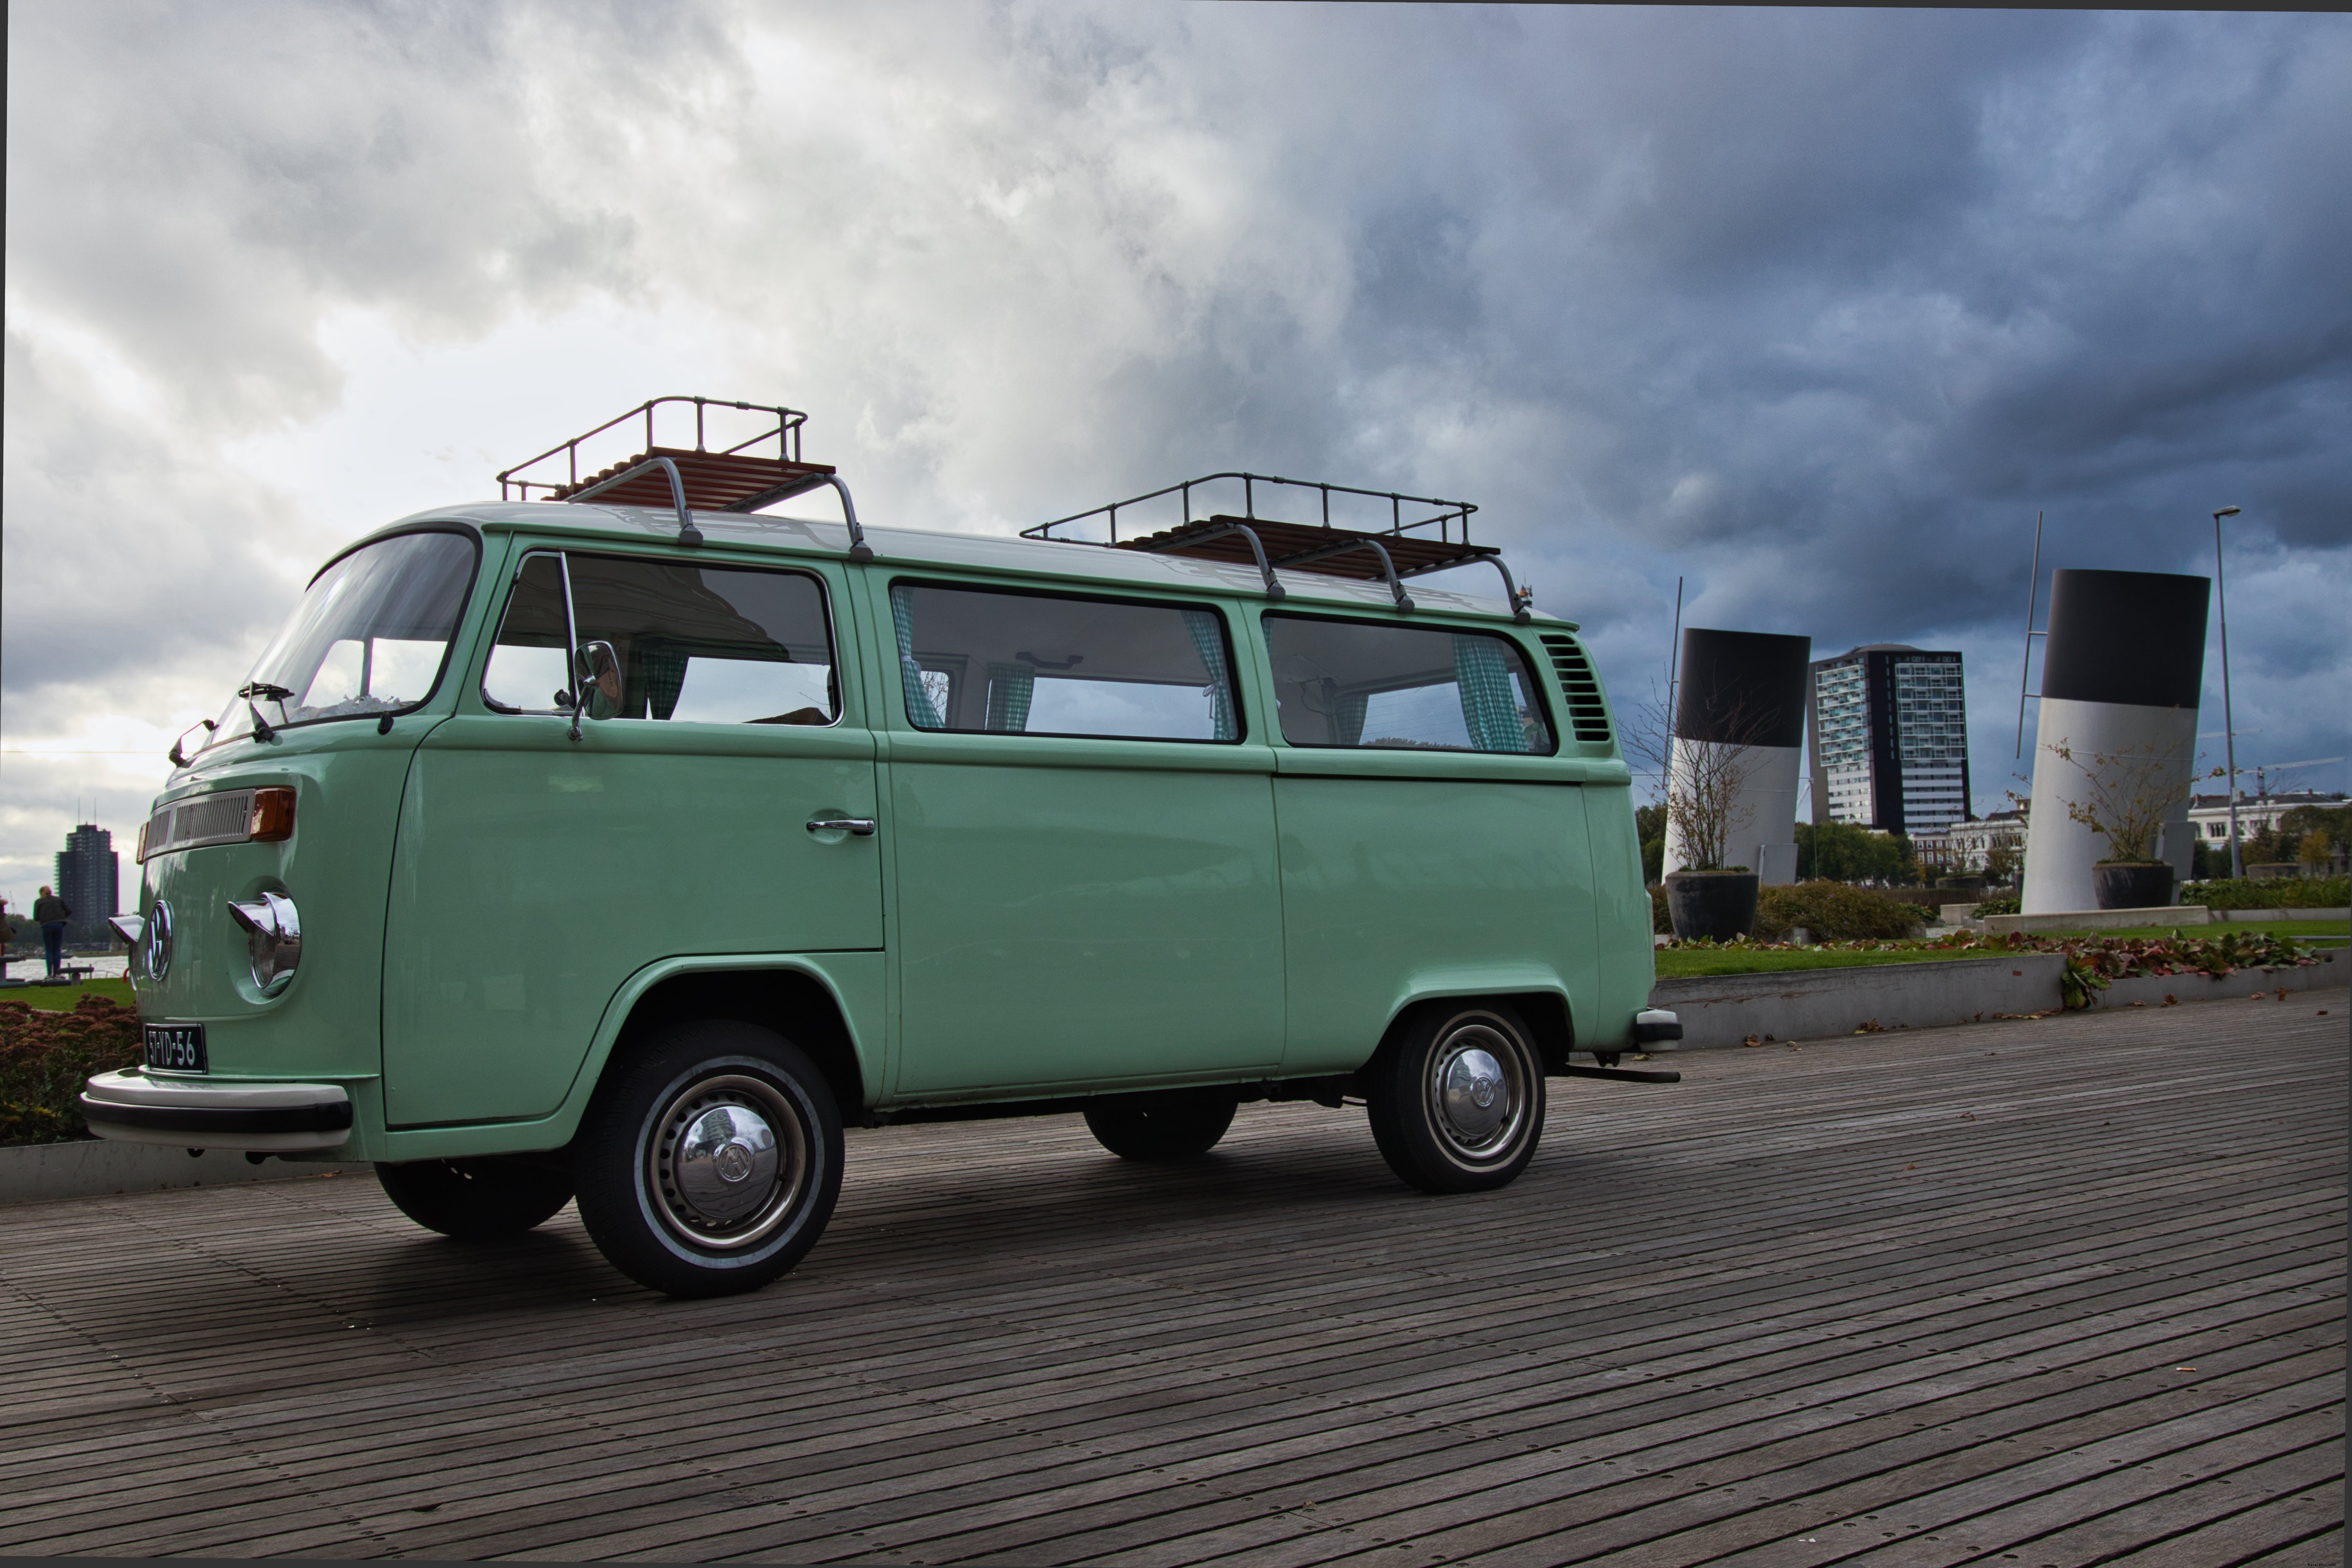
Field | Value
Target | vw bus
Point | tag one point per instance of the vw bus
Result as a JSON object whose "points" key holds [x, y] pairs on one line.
{"points": [[622, 840]]}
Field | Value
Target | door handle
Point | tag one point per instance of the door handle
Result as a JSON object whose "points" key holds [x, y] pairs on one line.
{"points": [[859, 826]]}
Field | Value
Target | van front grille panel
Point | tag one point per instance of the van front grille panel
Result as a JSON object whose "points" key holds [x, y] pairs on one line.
{"points": [[1588, 716]]}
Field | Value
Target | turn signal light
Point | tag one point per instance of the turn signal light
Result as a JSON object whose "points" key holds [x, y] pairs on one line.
{"points": [[272, 820]]}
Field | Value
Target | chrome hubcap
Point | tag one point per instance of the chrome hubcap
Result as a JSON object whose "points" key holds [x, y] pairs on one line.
{"points": [[1477, 1092], [728, 1161]]}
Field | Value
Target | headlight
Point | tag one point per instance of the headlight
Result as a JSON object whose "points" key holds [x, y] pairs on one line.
{"points": [[274, 936]]}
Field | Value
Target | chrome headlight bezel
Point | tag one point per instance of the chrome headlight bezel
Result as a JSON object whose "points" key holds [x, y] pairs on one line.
{"points": [[273, 930]]}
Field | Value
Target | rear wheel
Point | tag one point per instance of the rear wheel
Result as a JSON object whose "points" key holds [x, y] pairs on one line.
{"points": [[475, 1200], [1457, 1097], [710, 1163], [1169, 1124]]}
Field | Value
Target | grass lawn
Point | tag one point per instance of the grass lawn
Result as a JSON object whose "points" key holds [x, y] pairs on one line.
{"points": [[1678, 963], [62, 998]]}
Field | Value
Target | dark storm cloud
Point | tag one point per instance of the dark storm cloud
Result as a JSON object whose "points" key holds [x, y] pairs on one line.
{"points": [[1815, 307]]}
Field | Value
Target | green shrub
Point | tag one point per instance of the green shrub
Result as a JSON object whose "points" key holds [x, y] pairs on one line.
{"points": [[1832, 911], [2008, 905], [46, 1057], [1662, 920], [2270, 893]]}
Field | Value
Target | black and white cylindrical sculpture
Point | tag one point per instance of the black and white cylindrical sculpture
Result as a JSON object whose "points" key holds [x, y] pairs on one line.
{"points": [[2121, 675], [1739, 735]]}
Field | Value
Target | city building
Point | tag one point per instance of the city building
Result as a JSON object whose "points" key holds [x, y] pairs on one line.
{"points": [[2208, 814], [1887, 726], [90, 877], [1985, 845]]}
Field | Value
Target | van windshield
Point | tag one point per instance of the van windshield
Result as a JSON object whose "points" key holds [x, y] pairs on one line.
{"points": [[369, 636]]}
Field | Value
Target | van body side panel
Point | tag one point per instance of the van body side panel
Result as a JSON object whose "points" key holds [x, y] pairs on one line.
{"points": [[1628, 958], [534, 871], [854, 979], [1386, 880], [1080, 911]]}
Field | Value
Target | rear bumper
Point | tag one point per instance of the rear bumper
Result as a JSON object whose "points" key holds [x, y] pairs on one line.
{"points": [[131, 1107], [1654, 1029]]}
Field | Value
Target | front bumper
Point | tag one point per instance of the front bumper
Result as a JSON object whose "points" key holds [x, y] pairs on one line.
{"points": [[131, 1107]]}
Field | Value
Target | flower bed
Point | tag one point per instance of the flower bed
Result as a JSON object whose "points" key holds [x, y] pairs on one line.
{"points": [[45, 1057]]}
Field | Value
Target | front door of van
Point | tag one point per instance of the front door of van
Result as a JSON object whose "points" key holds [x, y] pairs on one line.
{"points": [[535, 873], [1085, 872]]}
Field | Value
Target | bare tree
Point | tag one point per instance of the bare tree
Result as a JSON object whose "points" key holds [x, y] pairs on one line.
{"points": [[1705, 784], [2128, 793]]}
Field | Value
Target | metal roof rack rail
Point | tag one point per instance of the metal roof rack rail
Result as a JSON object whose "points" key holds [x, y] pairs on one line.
{"points": [[731, 479], [1389, 555]]}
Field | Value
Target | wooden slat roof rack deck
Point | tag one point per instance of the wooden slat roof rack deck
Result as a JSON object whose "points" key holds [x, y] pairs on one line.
{"points": [[1405, 549], [736, 479]]}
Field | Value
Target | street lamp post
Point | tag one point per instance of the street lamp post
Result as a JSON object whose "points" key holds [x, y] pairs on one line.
{"points": [[2229, 725]]}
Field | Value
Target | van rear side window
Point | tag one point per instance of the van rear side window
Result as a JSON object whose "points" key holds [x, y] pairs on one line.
{"points": [[1038, 664], [1358, 683], [706, 645]]}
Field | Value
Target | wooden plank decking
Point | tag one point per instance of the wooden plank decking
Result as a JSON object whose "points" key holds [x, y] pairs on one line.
{"points": [[2056, 1292]]}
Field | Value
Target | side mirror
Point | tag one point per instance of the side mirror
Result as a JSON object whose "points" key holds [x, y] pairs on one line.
{"points": [[596, 679]]}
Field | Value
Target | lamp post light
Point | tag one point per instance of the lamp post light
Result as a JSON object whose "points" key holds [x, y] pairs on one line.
{"points": [[2229, 725]]}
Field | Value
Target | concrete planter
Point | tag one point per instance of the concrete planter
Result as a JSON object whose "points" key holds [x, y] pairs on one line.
{"points": [[2131, 884], [1719, 905]]}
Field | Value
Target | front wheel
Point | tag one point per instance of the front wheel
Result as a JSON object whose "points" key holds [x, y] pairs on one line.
{"points": [[710, 1163], [475, 1200], [1456, 1098]]}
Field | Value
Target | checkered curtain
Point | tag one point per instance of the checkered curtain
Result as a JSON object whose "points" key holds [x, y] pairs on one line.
{"points": [[921, 711], [1010, 687], [662, 672], [1208, 638], [1490, 708]]}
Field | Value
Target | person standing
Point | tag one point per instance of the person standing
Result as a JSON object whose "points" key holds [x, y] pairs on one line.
{"points": [[51, 913]]}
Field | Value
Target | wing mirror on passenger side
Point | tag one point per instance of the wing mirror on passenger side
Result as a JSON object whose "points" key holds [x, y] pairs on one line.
{"points": [[596, 677]]}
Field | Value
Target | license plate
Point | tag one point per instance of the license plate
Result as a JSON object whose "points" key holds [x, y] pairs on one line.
{"points": [[177, 1047]]}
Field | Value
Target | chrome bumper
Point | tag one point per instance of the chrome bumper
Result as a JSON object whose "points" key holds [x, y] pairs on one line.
{"points": [[131, 1106]]}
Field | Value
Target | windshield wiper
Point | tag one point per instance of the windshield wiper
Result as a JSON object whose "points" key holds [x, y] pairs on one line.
{"points": [[263, 690]]}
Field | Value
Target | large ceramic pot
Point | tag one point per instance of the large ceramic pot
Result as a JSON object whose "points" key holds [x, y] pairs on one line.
{"points": [[2133, 884], [1717, 904]]}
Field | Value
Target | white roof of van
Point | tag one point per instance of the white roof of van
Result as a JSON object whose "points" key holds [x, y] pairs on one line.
{"points": [[1040, 558]]}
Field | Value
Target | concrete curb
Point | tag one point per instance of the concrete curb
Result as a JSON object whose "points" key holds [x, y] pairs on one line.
{"points": [[2178, 916], [1720, 1010], [94, 1168], [1814, 1004], [2151, 989]]}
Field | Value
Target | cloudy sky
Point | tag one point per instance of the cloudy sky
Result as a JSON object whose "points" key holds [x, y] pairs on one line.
{"points": [[1814, 308]]}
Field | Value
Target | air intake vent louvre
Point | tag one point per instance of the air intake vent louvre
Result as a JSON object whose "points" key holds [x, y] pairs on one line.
{"points": [[1588, 716], [223, 818]]}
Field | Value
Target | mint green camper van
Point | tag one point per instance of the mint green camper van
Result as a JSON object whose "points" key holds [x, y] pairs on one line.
{"points": [[623, 841]]}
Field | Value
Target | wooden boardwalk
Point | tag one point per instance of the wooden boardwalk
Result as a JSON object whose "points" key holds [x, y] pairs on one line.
{"points": [[2056, 1292]]}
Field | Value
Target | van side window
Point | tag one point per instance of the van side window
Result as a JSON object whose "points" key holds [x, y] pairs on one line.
{"points": [[707, 645], [1356, 683], [1038, 664]]}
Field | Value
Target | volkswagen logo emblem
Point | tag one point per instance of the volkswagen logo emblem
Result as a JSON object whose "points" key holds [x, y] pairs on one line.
{"points": [[733, 1162], [157, 950]]}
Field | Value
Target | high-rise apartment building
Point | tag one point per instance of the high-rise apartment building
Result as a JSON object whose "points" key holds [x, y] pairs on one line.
{"points": [[90, 878], [1887, 728]]}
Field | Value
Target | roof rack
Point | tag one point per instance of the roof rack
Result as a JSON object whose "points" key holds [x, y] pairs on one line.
{"points": [[1403, 549], [732, 479]]}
